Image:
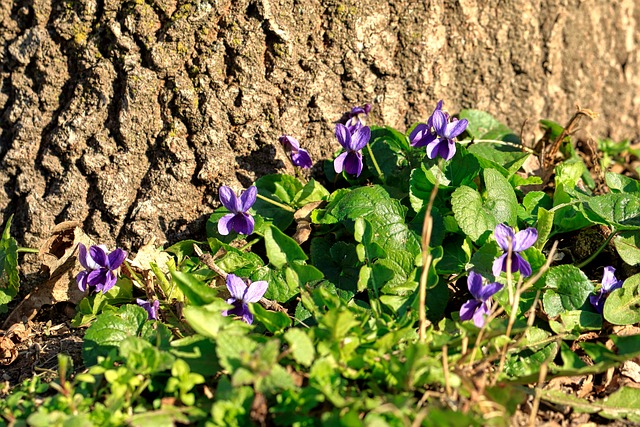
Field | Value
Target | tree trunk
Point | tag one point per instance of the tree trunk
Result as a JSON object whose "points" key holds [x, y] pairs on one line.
{"points": [[128, 115]]}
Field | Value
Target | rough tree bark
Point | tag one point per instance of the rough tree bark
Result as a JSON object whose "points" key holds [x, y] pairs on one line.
{"points": [[128, 115]]}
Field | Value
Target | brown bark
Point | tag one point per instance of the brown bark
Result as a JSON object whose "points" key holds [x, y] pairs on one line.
{"points": [[128, 115]]}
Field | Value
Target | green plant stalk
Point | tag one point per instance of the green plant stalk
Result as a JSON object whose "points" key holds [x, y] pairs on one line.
{"points": [[28, 250], [278, 204], [427, 258], [512, 317], [249, 244], [600, 249], [375, 163], [299, 175]]}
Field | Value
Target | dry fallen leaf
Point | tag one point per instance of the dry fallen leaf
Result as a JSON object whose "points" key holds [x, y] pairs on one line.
{"points": [[15, 334], [58, 256]]}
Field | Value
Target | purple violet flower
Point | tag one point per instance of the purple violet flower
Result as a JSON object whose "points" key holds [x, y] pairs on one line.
{"points": [[152, 308], [519, 242], [299, 156], [351, 160], [242, 295], [480, 306], [355, 121], [100, 267], [424, 134], [444, 145], [609, 283], [238, 220]]}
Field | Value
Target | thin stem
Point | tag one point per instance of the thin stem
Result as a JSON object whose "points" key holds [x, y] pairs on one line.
{"points": [[278, 204], [249, 244], [299, 174], [375, 163], [28, 250], [427, 258], [600, 249]]}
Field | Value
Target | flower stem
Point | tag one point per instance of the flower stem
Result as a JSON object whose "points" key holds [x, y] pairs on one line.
{"points": [[28, 250], [249, 244], [375, 163], [299, 175], [278, 204], [427, 259], [600, 249]]}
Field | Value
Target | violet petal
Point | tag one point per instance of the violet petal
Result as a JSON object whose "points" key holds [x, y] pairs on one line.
{"points": [[474, 284], [525, 239], [116, 258], [343, 135], [502, 234], [353, 163], [468, 309], [360, 138], [489, 290], [229, 199], [223, 224], [255, 291], [248, 198], [236, 286]]}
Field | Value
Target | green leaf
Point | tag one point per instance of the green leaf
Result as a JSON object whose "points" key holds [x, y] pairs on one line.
{"points": [[385, 214], [539, 347], [544, 227], [501, 198], [482, 259], [9, 278], [535, 200], [506, 159], [196, 292], [312, 191], [281, 188], [274, 321], [280, 289], [389, 147], [623, 403], [483, 125], [621, 184], [619, 210], [110, 329], [299, 275], [576, 322], [627, 244], [207, 320], [475, 220], [570, 217], [457, 253], [237, 348], [281, 249], [196, 350], [462, 169], [301, 346], [568, 289], [622, 306]]}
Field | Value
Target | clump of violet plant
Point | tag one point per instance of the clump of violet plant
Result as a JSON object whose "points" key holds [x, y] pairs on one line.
{"points": [[101, 268], [299, 156], [479, 306], [239, 220], [519, 241], [438, 134], [351, 160], [242, 295]]}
